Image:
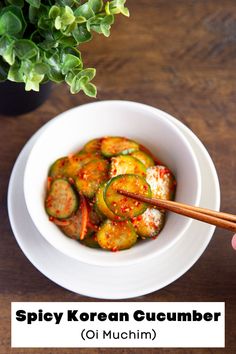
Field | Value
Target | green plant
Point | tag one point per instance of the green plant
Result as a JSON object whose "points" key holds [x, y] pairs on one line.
{"points": [[39, 40]]}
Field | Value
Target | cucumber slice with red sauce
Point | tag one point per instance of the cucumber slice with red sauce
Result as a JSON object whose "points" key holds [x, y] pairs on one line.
{"points": [[123, 206], [91, 241], [77, 225], [146, 159], [150, 223], [94, 220], [57, 169], [161, 181], [113, 146], [69, 166], [82, 224], [115, 236], [102, 206], [123, 165], [95, 216], [93, 145], [61, 201], [91, 176]]}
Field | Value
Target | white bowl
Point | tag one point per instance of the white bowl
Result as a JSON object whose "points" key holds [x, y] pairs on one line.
{"points": [[71, 130]]}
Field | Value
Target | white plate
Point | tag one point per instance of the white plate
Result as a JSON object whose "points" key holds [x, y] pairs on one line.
{"points": [[121, 282]]}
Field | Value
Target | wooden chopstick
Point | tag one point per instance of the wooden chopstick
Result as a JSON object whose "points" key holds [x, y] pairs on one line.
{"points": [[223, 220], [217, 214]]}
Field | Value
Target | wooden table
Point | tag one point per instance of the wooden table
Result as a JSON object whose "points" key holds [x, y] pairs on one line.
{"points": [[179, 56]]}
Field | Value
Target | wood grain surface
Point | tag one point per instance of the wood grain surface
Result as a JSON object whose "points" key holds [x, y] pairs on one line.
{"points": [[179, 56]]}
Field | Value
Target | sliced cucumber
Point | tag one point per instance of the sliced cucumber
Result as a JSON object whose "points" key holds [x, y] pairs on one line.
{"points": [[98, 212], [146, 159], [94, 216], [101, 205], [90, 241], [93, 145], [70, 166], [91, 176], [61, 200], [122, 165], [78, 160], [123, 206], [115, 236], [149, 153], [150, 223], [57, 169], [161, 181], [73, 229], [113, 146], [84, 156], [94, 220], [77, 226]]}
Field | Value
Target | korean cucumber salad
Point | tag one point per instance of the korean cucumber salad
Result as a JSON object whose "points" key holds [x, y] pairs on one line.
{"points": [[82, 198]]}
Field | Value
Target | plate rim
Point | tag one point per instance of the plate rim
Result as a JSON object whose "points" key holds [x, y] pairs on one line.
{"points": [[141, 292]]}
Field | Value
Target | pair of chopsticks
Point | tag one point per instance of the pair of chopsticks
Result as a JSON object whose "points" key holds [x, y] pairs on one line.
{"points": [[223, 220]]}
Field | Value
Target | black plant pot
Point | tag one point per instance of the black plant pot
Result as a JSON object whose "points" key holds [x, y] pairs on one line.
{"points": [[14, 100]]}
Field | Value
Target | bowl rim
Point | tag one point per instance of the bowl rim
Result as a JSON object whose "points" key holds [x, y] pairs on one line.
{"points": [[102, 261]]}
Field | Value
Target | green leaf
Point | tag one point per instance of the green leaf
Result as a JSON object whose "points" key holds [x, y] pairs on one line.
{"points": [[108, 20], [36, 37], [48, 45], [69, 78], [96, 5], [81, 34], [64, 19], [89, 73], [73, 51], [105, 29], [67, 16], [26, 67], [58, 23], [32, 85], [5, 42], [55, 76], [125, 12], [15, 74], [75, 86], [55, 68], [41, 68], [116, 7], [70, 62], [9, 23], [67, 30], [80, 19], [34, 3], [9, 55], [31, 77], [7, 49], [84, 10], [54, 12], [90, 89], [15, 22], [33, 15], [107, 8], [25, 49], [100, 24], [4, 68], [67, 41], [81, 82], [19, 3], [70, 3]]}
